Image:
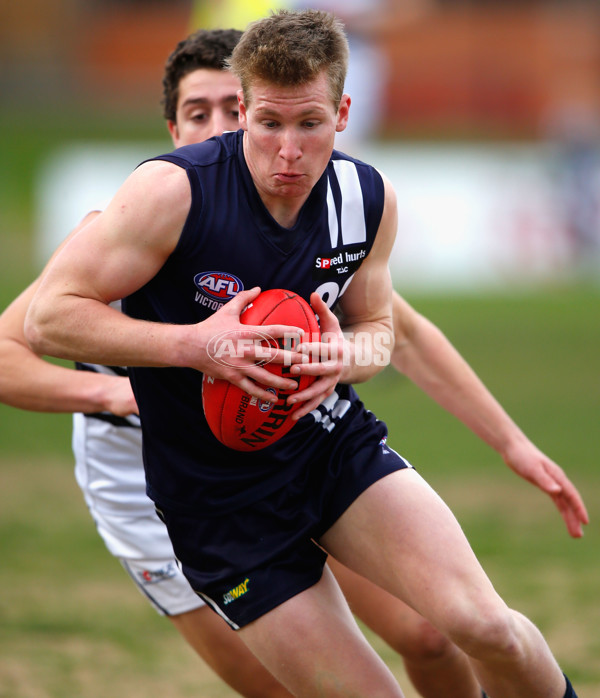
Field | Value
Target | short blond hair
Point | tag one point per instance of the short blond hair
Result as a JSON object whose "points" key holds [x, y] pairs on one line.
{"points": [[292, 48]]}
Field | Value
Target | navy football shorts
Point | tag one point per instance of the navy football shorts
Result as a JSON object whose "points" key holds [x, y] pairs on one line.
{"points": [[245, 563]]}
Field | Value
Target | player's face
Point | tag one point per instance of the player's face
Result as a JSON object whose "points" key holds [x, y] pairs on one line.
{"points": [[207, 106], [289, 136]]}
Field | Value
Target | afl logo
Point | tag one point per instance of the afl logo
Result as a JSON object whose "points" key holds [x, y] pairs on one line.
{"points": [[218, 285], [265, 405]]}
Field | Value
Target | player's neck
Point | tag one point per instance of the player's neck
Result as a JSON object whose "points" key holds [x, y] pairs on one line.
{"points": [[285, 215]]}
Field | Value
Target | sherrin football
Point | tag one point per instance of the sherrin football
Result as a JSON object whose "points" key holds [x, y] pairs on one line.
{"points": [[237, 419]]}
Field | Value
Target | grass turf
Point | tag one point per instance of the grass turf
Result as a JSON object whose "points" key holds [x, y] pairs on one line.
{"points": [[71, 620]]}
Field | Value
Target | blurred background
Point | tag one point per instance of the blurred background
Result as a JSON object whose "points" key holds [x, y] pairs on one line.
{"points": [[493, 109], [485, 114]]}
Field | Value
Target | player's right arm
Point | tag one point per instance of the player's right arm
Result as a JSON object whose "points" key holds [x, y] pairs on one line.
{"points": [[115, 255], [29, 382]]}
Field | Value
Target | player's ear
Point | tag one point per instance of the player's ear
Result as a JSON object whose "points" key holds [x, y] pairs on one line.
{"points": [[243, 115], [342, 113], [174, 131]]}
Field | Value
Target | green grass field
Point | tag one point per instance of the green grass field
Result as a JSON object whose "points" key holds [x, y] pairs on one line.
{"points": [[73, 626]]}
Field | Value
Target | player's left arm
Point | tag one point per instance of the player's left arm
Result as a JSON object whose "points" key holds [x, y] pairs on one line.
{"points": [[424, 354], [366, 306], [363, 347]]}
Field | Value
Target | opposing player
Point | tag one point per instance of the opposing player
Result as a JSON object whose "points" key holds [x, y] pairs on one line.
{"points": [[200, 101], [260, 205]]}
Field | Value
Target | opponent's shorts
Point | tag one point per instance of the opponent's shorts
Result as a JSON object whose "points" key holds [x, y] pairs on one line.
{"points": [[142, 545], [249, 561], [110, 472]]}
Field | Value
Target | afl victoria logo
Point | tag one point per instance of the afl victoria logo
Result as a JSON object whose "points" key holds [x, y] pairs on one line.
{"points": [[218, 285]]}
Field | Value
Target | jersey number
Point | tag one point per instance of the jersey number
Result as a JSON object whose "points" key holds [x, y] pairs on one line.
{"points": [[330, 291]]}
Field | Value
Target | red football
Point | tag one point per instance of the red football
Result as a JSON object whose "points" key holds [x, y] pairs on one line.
{"points": [[237, 419]]}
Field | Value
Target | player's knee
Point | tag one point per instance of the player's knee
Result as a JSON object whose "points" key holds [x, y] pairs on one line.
{"points": [[425, 643], [488, 632], [267, 688]]}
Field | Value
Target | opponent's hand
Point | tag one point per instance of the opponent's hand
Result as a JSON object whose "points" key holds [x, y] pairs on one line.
{"points": [[117, 396], [326, 360], [527, 461], [240, 359]]}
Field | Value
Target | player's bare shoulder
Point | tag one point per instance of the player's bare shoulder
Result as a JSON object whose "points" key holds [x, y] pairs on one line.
{"points": [[386, 234], [161, 185], [153, 204]]}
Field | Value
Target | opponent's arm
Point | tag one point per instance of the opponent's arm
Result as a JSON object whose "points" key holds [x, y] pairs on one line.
{"points": [[30, 383], [424, 354], [113, 256]]}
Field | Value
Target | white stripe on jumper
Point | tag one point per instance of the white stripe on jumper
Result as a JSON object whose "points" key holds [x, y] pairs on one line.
{"points": [[332, 216], [353, 214]]}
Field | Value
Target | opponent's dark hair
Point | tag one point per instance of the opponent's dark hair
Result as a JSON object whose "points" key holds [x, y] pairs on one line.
{"points": [[203, 49]]}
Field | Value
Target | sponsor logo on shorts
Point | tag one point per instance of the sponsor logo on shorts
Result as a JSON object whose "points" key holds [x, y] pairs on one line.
{"points": [[383, 444], [158, 575], [236, 592]]}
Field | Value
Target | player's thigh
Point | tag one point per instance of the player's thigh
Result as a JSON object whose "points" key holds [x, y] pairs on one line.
{"points": [[401, 535], [313, 644], [394, 621], [223, 650]]}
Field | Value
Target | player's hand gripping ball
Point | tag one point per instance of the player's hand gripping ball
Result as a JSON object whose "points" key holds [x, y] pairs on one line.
{"points": [[237, 419]]}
